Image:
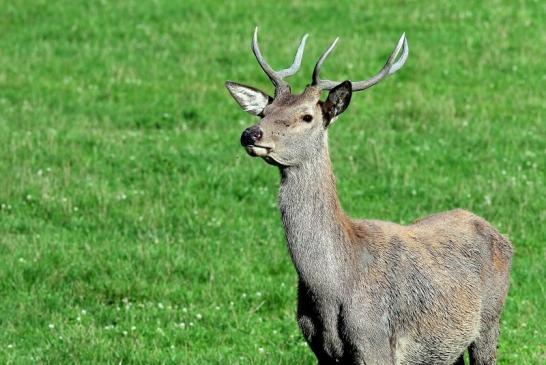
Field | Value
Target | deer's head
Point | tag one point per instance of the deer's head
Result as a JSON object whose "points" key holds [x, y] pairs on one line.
{"points": [[292, 127]]}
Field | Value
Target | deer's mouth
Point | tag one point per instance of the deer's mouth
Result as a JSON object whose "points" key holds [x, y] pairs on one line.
{"points": [[263, 152], [258, 151]]}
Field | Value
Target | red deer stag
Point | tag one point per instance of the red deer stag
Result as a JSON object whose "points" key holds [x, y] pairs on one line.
{"points": [[372, 292]]}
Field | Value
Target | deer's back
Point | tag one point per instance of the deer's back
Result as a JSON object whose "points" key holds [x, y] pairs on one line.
{"points": [[443, 244]]}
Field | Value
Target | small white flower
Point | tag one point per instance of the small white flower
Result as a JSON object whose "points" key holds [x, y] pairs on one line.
{"points": [[160, 305], [258, 294], [198, 316], [261, 350], [133, 328], [51, 326], [78, 318], [125, 333], [217, 308], [84, 311]]}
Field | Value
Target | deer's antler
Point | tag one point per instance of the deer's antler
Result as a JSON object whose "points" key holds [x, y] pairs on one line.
{"points": [[277, 77], [389, 68]]}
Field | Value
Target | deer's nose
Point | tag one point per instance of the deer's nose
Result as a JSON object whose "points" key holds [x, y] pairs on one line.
{"points": [[251, 135]]}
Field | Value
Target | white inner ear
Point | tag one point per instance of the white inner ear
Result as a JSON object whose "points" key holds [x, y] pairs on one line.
{"points": [[251, 100]]}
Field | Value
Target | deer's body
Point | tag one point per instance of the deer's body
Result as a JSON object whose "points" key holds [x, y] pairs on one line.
{"points": [[372, 292], [387, 293]]}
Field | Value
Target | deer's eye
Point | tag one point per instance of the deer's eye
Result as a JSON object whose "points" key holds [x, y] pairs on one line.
{"points": [[307, 118]]}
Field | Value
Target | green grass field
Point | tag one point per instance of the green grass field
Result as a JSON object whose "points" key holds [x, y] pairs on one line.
{"points": [[135, 230]]}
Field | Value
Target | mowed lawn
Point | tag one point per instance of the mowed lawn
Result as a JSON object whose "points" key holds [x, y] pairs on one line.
{"points": [[135, 230]]}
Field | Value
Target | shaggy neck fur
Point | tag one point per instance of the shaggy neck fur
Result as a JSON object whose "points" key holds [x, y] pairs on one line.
{"points": [[315, 226]]}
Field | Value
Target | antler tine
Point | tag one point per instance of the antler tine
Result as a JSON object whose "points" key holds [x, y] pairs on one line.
{"points": [[390, 68], [316, 70], [263, 63], [398, 65], [277, 77], [297, 60]]}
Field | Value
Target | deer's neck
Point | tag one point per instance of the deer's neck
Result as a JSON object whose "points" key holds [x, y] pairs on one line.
{"points": [[316, 227]]}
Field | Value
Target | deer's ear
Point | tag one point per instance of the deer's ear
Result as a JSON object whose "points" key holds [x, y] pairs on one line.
{"points": [[338, 100], [250, 99]]}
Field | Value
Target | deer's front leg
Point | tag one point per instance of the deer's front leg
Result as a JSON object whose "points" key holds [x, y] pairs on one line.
{"points": [[366, 337], [313, 335], [319, 325], [368, 351]]}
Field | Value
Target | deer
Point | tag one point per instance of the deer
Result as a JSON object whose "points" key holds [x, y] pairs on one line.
{"points": [[371, 291]]}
